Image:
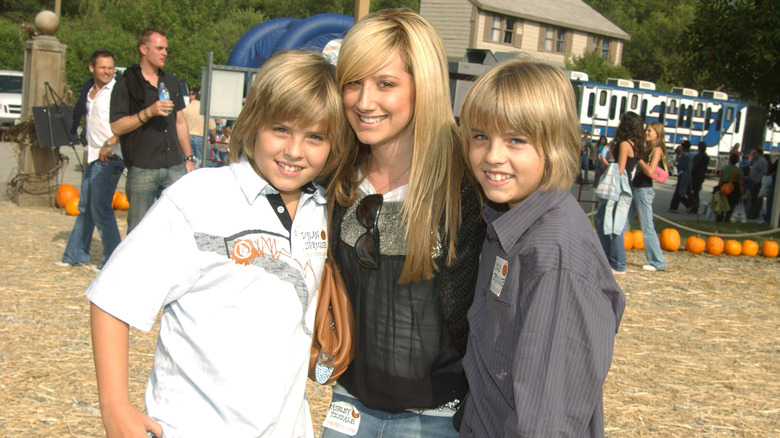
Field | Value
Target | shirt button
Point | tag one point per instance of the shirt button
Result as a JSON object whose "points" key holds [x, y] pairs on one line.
{"points": [[280, 209]]}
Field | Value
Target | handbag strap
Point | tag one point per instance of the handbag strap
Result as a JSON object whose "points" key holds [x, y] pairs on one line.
{"points": [[734, 174], [663, 158]]}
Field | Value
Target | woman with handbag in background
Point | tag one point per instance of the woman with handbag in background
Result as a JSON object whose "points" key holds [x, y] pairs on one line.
{"points": [[611, 219], [406, 233], [653, 155]]}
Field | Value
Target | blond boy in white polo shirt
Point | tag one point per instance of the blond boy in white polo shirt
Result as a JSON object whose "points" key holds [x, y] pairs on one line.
{"points": [[233, 256]]}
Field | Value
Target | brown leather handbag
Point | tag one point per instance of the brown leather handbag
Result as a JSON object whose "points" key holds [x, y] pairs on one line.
{"points": [[333, 337]]}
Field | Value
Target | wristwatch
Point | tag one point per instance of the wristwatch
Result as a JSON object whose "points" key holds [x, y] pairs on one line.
{"points": [[106, 145], [190, 158]]}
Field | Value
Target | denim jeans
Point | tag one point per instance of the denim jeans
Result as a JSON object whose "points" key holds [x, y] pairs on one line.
{"points": [[144, 186], [380, 424], [97, 192], [613, 244], [642, 205], [585, 163], [196, 142]]}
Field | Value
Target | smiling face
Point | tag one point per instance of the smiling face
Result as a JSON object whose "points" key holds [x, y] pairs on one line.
{"points": [[288, 155], [508, 166], [380, 107], [650, 134], [103, 70]]}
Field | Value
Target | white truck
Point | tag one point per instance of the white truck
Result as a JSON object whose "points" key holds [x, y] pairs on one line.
{"points": [[10, 97]]}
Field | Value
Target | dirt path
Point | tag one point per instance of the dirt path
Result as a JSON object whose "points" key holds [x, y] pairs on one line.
{"points": [[698, 352]]}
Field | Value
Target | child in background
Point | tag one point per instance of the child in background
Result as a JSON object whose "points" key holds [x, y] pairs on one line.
{"points": [[233, 256], [546, 307]]}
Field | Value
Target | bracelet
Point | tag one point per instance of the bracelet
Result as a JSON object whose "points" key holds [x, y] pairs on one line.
{"points": [[139, 117], [190, 158]]}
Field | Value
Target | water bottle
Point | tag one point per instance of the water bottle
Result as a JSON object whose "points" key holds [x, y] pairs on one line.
{"points": [[162, 91]]}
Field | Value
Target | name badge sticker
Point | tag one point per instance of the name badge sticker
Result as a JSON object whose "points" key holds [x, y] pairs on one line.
{"points": [[500, 270], [343, 417], [315, 243]]}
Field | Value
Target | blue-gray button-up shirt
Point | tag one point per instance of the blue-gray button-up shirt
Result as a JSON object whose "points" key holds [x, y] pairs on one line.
{"points": [[543, 323]]}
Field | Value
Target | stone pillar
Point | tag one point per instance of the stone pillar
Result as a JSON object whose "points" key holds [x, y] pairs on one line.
{"points": [[44, 61]]}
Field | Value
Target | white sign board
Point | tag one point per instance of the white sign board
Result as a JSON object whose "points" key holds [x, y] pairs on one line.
{"points": [[227, 94]]}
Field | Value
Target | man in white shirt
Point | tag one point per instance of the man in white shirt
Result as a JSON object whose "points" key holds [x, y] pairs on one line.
{"points": [[103, 168]]}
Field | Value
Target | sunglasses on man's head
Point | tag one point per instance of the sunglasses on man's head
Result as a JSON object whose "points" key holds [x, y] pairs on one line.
{"points": [[367, 245]]}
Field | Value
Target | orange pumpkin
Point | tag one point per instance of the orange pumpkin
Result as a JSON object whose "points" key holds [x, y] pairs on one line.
{"points": [[714, 245], [733, 248], [121, 202], [639, 239], [628, 240], [695, 245], [749, 248], [72, 206], [113, 200], [670, 239], [65, 192], [769, 248]]}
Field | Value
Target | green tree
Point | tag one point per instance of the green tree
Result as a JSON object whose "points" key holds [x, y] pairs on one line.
{"points": [[12, 40], [655, 26], [735, 45], [597, 68]]}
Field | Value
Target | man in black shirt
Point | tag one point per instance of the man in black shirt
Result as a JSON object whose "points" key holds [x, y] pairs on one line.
{"points": [[153, 132]]}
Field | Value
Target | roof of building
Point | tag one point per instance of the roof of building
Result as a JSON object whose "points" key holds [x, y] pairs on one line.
{"points": [[572, 14]]}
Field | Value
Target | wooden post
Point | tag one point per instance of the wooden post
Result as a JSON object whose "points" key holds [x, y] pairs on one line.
{"points": [[361, 9]]}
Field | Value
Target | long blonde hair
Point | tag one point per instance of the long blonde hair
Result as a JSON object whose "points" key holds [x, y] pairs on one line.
{"points": [[432, 201]]}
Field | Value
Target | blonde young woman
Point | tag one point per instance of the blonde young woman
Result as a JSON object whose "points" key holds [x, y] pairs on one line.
{"points": [[405, 231], [642, 188]]}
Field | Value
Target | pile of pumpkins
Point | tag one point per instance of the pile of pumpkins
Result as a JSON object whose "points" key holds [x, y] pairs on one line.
{"points": [[67, 197], [714, 245]]}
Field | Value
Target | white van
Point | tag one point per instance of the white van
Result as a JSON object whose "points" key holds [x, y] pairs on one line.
{"points": [[10, 97]]}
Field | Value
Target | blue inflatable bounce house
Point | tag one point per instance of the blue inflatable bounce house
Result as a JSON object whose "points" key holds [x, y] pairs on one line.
{"points": [[269, 37]]}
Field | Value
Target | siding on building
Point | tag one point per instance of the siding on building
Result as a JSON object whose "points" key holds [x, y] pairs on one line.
{"points": [[466, 24]]}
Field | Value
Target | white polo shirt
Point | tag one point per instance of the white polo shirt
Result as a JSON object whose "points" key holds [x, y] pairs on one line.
{"points": [[238, 293]]}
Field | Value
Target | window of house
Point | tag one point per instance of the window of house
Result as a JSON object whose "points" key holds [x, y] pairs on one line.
{"points": [[509, 30], [560, 40], [502, 29], [601, 44], [549, 36], [495, 32]]}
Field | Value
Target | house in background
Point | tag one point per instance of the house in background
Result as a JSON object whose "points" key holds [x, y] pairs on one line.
{"points": [[550, 30]]}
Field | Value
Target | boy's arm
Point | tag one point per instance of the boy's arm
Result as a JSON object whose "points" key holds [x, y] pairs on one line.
{"points": [[110, 345], [562, 356], [184, 140]]}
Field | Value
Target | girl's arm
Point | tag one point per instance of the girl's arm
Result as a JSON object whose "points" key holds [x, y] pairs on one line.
{"points": [[625, 147], [649, 168], [110, 345], [602, 158]]}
